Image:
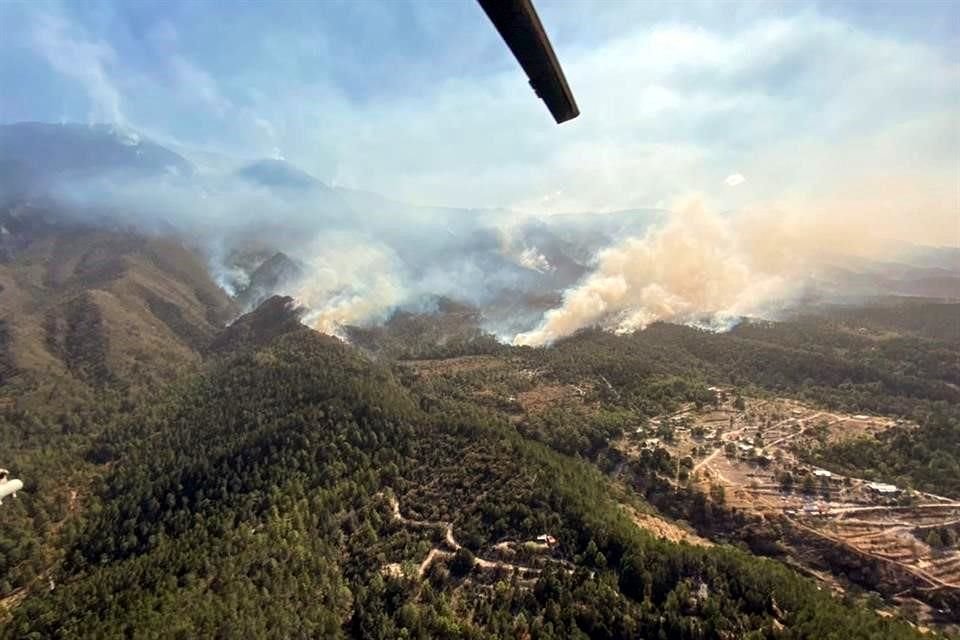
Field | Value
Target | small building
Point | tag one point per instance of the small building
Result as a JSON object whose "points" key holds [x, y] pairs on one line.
{"points": [[822, 473], [651, 442], [860, 416], [744, 447], [547, 539], [883, 488]]}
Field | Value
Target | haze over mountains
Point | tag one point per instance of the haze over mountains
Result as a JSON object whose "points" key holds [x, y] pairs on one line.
{"points": [[354, 258], [330, 331], [186, 442]]}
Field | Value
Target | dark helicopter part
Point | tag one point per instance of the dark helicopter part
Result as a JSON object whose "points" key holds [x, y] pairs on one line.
{"points": [[520, 28]]}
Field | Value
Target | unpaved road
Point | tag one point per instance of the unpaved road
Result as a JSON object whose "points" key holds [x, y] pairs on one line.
{"points": [[727, 437], [931, 580], [451, 544]]}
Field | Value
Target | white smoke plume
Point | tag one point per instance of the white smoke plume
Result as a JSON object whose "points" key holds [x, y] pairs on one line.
{"points": [[534, 260], [361, 256], [348, 283], [364, 256], [708, 269]]}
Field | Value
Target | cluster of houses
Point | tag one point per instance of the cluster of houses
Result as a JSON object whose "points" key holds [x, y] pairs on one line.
{"points": [[819, 509], [879, 488]]}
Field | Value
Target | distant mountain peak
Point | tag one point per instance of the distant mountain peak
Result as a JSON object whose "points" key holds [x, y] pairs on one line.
{"points": [[276, 173], [39, 153], [269, 278]]}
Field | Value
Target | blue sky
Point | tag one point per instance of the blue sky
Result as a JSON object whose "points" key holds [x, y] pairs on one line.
{"points": [[750, 104]]}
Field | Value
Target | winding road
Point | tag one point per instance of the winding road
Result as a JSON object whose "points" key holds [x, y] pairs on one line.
{"points": [[451, 544]]}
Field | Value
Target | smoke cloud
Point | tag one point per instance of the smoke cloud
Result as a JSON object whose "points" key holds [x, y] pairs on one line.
{"points": [[708, 269], [696, 265], [348, 283], [353, 257], [360, 256]]}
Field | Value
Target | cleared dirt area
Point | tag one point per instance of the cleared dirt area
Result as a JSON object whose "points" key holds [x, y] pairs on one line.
{"points": [[753, 451], [664, 529], [896, 534], [856, 427], [545, 396], [508, 384]]}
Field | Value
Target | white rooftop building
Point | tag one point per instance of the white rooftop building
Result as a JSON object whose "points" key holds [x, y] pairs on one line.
{"points": [[882, 487]]}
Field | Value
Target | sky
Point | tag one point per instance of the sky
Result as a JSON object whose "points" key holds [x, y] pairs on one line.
{"points": [[848, 107]]}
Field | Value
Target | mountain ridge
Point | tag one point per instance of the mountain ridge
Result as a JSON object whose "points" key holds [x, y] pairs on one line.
{"points": [[45, 153]]}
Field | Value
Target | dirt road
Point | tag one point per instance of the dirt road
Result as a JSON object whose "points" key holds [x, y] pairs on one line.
{"points": [[451, 544]]}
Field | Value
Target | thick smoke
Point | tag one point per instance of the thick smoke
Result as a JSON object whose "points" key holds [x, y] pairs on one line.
{"points": [[710, 270], [696, 265], [347, 283], [361, 255], [358, 256]]}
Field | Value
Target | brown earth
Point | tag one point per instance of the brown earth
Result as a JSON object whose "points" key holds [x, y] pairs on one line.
{"points": [[664, 529], [83, 307]]}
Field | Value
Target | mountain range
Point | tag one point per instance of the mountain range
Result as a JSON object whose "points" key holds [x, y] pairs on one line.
{"points": [[89, 294], [199, 462]]}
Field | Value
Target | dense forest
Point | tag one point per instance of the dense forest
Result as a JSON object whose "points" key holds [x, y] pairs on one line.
{"points": [[254, 500]]}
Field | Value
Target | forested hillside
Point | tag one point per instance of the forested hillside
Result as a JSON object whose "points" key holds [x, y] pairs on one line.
{"points": [[893, 375], [254, 501], [823, 361], [84, 307]]}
